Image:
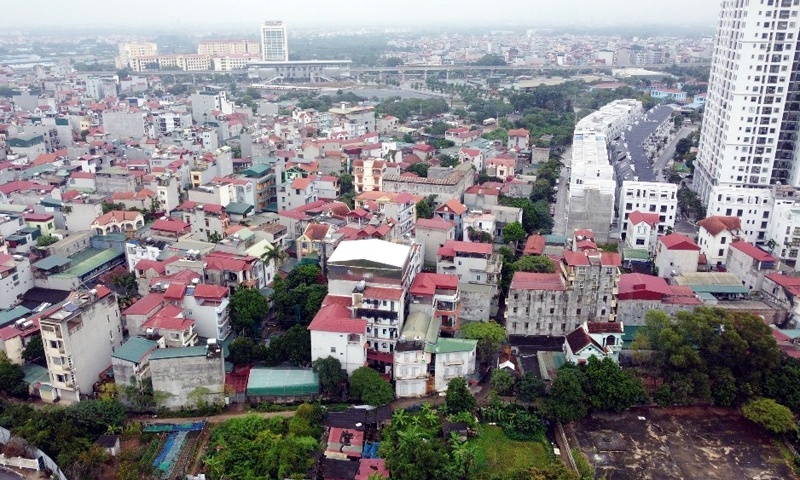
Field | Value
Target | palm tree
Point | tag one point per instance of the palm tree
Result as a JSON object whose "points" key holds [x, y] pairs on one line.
{"points": [[275, 254], [429, 416], [400, 419]]}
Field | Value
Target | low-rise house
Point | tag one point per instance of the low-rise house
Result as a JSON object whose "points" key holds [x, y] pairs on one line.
{"points": [[14, 337], [534, 245], [437, 295], [470, 262], [478, 224], [433, 233], [131, 363], [594, 339], [16, 278], [188, 377], [117, 221], [638, 294], [473, 156], [642, 231], [454, 357], [676, 254], [452, 211], [783, 291], [716, 234], [413, 369], [483, 196], [750, 264], [336, 334]]}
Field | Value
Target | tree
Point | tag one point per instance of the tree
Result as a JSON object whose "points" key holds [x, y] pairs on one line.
{"points": [[449, 161], [294, 347], [530, 387], [46, 240], [394, 62], [542, 190], [458, 398], [567, 401], [534, 263], [425, 207], [420, 168], [242, 351], [683, 146], [513, 233], [368, 386], [783, 384], [97, 415], [332, 377], [121, 281], [502, 382], [11, 378], [490, 60], [247, 309], [609, 388], [771, 415], [34, 350], [409, 460], [110, 207], [490, 336]]}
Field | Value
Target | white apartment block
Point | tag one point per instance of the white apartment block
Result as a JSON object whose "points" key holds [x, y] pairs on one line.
{"points": [[16, 278], [754, 206], [752, 108], [784, 231], [127, 51], [648, 197], [274, 44], [368, 174], [78, 341], [228, 47], [611, 119], [592, 186]]}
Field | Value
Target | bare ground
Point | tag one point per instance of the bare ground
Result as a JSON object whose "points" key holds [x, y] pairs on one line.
{"points": [[678, 443]]}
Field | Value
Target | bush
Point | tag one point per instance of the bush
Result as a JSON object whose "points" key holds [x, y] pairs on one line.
{"points": [[523, 425], [368, 386], [585, 469], [502, 382], [458, 397], [770, 414]]}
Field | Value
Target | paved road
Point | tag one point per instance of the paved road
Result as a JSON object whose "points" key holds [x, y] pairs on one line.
{"points": [[9, 475], [669, 152], [562, 197]]}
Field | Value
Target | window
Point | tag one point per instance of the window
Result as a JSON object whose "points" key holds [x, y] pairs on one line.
{"points": [[333, 349]]}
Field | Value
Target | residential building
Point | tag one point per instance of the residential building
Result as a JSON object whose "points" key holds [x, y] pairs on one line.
{"points": [[301, 191], [228, 47], [638, 294], [473, 156], [355, 121], [470, 262], [335, 333], [117, 221], [130, 50], [433, 233], [592, 186], [16, 278], [583, 288], [750, 264], [783, 291], [676, 254], [368, 175], [594, 339], [748, 137], [316, 240], [401, 207], [715, 236], [274, 42], [642, 230], [454, 212], [414, 372], [648, 197], [436, 295], [450, 186], [519, 139], [16, 336], [476, 223], [206, 221], [191, 376], [131, 363], [454, 357], [784, 232], [78, 339]]}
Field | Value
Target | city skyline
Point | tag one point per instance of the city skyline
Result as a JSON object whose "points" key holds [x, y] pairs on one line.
{"points": [[364, 14]]}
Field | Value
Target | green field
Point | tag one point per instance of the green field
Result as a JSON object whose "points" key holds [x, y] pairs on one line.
{"points": [[496, 454]]}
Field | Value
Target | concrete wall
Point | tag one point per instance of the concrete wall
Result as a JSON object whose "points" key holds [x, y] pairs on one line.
{"points": [[476, 301], [632, 312], [181, 376]]}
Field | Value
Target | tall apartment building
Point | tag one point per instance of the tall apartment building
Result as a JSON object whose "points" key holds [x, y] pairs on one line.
{"points": [[274, 44], [79, 338], [228, 47], [748, 138]]}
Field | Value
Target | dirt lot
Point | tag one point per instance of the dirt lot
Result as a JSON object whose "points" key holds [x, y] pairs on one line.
{"points": [[678, 443]]}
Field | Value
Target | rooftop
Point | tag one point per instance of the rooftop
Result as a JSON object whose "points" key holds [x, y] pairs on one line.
{"points": [[371, 250], [184, 352], [135, 349]]}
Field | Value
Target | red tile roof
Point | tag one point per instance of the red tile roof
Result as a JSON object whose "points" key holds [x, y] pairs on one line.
{"points": [[336, 318], [534, 245], [575, 259], [171, 225], [635, 286], [168, 323], [145, 264], [316, 231], [452, 206], [214, 292], [145, 305], [636, 217], [37, 217], [428, 283], [451, 247], [228, 261], [344, 301], [518, 132], [585, 233], [382, 293], [580, 339], [754, 252], [676, 241], [434, 223], [118, 216], [715, 225], [537, 281], [604, 327], [175, 291]]}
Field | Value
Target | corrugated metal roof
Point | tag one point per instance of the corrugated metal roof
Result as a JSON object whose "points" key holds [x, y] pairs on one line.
{"points": [[134, 349], [185, 352], [279, 382]]}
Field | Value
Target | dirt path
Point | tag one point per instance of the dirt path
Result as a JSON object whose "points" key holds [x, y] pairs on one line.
{"points": [[213, 419]]}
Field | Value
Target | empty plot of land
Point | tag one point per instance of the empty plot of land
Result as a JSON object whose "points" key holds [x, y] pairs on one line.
{"points": [[678, 443]]}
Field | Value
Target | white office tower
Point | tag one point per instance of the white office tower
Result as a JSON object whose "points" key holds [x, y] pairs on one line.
{"points": [[749, 134], [274, 45]]}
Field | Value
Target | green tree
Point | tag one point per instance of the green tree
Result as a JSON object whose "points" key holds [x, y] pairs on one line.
{"points": [[783, 384], [394, 61], [683, 146], [46, 240], [490, 60], [534, 263], [420, 168], [542, 190], [502, 382], [407, 461], [294, 347], [11, 378], [425, 207], [34, 350], [609, 388], [771, 415], [458, 398], [96, 416], [332, 377], [449, 161], [513, 233], [530, 387], [242, 351], [368, 386], [110, 207], [248, 308], [490, 335], [567, 401]]}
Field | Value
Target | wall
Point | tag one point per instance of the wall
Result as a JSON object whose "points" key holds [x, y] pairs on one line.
{"points": [[476, 301], [181, 376], [350, 355]]}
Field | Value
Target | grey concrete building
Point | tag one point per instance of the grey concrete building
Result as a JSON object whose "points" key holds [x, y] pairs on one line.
{"points": [[188, 376]]}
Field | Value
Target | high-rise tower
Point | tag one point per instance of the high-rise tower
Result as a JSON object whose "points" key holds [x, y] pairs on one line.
{"points": [[749, 134], [274, 46]]}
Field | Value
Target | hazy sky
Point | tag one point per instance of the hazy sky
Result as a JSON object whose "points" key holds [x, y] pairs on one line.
{"points": [[299, 13]]}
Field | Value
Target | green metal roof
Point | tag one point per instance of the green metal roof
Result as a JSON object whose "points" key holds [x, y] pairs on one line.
{"points": [[34, 373], [421, 327], [8, 316], [51, 202], [52, 262], [709, 288], [635, 254], [238, 208], [92, 263], [282, 382], [629, 334], [135, 349], [555, 239], [450, 345], [183, 352], [257, 170]]}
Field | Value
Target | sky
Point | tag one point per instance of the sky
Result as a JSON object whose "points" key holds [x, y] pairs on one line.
{"points": [[24, 14]]}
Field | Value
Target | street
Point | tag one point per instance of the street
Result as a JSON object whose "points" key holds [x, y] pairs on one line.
{"points": [[562, 196], [669, 151]]}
